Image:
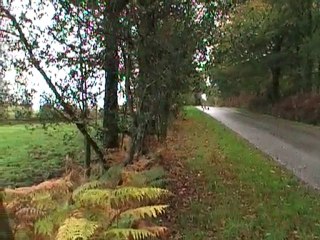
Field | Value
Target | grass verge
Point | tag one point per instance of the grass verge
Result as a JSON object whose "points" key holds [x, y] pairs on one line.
{"points": [[29, 153], [244, 195]]}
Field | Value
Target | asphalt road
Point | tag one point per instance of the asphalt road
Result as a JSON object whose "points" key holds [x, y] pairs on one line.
{"points": [[294, 145]]}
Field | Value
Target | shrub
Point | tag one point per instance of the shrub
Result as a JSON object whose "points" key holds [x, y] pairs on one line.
{"points": [[20, 114], [302, 107], [47, 113], [260, 104], [4, 112]]}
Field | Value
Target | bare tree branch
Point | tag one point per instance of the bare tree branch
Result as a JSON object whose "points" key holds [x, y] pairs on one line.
{"points": [[8, 32]]}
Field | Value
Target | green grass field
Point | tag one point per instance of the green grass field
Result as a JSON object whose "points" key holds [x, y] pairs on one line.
{"points": [[252, 197], [32, 154]]}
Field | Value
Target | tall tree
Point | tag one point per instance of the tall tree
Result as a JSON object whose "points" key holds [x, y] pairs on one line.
{"points": [[111, 24], [108, 20], [164, 66]]}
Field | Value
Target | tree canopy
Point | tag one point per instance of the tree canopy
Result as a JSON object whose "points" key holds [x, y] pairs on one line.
{"points": [[268, 47]]}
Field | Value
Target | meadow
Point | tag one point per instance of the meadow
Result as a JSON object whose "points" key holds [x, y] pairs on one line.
{"points": [[32, 153]]}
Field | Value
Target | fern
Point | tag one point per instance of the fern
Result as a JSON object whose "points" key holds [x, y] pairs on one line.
{"points": [[89, 185], [155, 177], [126, 233], [74, 228], [29, 214], [43, 201], [123, 222], [125, 194], [157, 231], [142, 212], [78, 214], [45, 226], [109, 179], [94, 197]]}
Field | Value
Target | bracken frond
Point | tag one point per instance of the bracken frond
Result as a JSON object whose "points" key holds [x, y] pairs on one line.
{"points": [[157, 230], [125, 194], [29, 214], [154, 177], [126, 233], [45, 226], [143, 212], [94, 197], [76, 228], [89, 185], [43, 201]]}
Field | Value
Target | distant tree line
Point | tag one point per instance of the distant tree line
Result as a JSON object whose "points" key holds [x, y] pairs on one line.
{"points": [[268, 49]]}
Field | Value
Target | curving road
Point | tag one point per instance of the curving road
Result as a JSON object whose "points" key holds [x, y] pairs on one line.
{"points": [[294, 145]]}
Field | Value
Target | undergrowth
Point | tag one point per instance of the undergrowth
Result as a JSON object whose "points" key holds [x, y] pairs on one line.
{"points": [[97, 209]]}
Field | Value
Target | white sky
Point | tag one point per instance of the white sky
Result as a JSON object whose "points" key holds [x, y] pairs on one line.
{"points": [[34, 80]]}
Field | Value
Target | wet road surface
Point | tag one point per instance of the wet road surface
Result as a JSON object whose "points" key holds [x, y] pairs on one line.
{"points": [[294, 145]]}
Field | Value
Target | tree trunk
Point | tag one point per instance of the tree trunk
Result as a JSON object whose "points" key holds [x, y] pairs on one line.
{"points": [[308, 67], [318, 79], [197, 98], [275, 87], [5, 229], [87, 157], [82, 128], [129, 103], [146, 90], [307, 86], [110, 116], [111, 64], [276, 71]]}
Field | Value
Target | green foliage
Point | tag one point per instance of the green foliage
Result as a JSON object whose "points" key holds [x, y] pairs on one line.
{"points": [[46, 225], [112, 176], [136, 234], [76, 228], [267, 48], [47, 113], [90, 210], [4, 111], [22, 114], [115, 202], [154, 177], [143, 212]]}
